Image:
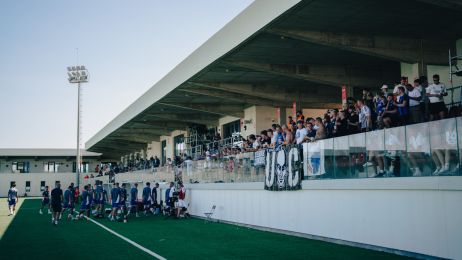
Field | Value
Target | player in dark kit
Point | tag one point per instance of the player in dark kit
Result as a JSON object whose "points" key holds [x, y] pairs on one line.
{"points": [[134, 200], [56, 203], [13, 198], [45, 200], [123, 201]]}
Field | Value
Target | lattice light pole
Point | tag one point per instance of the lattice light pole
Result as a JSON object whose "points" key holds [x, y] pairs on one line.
{"points": [[78, 75]]}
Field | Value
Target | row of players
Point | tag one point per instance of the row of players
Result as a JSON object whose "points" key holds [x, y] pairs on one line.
{"points": [[93, 201]]}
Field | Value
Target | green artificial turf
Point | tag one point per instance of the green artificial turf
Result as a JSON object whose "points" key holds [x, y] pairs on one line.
{"points": [[32, 236]]}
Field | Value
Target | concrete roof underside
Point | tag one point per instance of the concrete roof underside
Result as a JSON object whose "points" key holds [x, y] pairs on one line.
{"points": [[277, 52]]}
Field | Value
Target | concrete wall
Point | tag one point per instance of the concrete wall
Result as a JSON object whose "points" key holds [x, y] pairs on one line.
{"points": [[419, 215], [154, 148], [35, 179]]}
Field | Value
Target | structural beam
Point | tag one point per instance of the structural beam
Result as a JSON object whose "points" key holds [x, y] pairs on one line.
{"points": [[185, 119], [285, 95], [449, 4], [332, 75], [399, 49], [222, 110]]}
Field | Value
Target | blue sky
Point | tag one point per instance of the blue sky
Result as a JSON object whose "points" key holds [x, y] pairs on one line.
{"points": [[126, 45]]}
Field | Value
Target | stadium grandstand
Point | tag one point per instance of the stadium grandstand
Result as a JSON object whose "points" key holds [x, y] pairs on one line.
{"points": [[334, 125]]}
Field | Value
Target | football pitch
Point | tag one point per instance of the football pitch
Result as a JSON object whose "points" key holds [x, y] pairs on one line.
{"points": [[29, 235]]}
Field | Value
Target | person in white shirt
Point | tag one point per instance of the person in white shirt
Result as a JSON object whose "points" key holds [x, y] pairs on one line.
{"points": [[402, 83], [415, 114], [300, 133], [365, 119], [435, 93]]}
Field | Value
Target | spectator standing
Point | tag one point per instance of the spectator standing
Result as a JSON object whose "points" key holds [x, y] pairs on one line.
{"points": [[300, 116], [415, 114], [384, 90], [321, 133], [365, 118], [289, 137], [300, 133], [310, 132], [435, 93], [353, 122], [424, 101], [402, 83], [403, 106], [341, 124]]}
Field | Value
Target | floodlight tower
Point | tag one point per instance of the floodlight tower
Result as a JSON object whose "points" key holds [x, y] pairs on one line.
{"points": [[78, 75]]}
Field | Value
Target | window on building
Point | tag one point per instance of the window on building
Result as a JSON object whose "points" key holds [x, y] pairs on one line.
{"points": [[230, 128], [20, 167], [42, 185], [27, 186], [51, 166], [178, 144]]}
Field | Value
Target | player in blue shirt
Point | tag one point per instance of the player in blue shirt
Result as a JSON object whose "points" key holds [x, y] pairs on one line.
{"points": [[147, 198], [134, 200], [12, 199], [99, 198], [45, 200], [91, 193], [115, 199], [68, 202], [85, 204]]}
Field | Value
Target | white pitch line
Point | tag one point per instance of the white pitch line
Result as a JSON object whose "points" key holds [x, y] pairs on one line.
{"points": [[127, 240]]}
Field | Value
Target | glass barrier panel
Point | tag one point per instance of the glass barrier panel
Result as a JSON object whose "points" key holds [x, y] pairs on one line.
{"points": [[327, 158], [418, 149], [375, 146], [357, 144], [342, 158], [395, 152], [457, 169], [443, 145]]}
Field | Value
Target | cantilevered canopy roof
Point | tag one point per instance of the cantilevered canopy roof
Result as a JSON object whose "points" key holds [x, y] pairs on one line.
{"points": [[277, 52], [34, 152]]}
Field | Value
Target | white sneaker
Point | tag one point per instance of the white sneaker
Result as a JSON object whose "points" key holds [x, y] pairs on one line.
{"points": [[456, 169], [40, 212], [444, 169], [49, 211], [417, 172], [437, 171], [367, 164]]}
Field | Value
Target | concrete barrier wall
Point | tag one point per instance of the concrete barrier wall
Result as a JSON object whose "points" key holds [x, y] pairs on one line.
{"points": [[421, 215]]}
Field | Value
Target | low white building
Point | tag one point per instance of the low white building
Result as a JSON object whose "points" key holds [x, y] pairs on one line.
{"points": [[33, 169]]}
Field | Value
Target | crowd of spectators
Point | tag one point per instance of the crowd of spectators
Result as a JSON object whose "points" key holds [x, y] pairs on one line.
{"points": [[405, 104]]}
